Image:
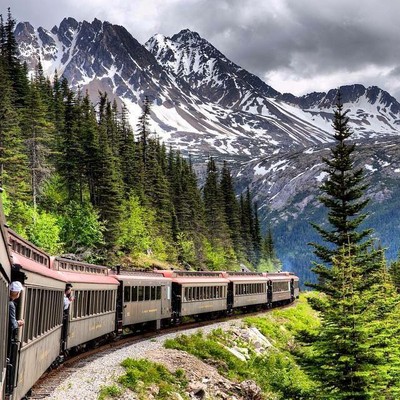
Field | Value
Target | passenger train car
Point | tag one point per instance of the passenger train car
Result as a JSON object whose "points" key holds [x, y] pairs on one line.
{"points": [[107, 302], [5, 278]]}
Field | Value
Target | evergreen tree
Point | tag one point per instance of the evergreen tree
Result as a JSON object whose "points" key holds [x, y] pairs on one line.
{"points": [[144, 129], [38, 131], [343, 197], [214, 208], [10, 53], [157, 191], [127, 153], [14, 174], [256, 236], [246, 223], [350, 351], [108, 185], [231, 208]]}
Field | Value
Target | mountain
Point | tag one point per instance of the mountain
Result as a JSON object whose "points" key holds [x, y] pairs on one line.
{"points": [[205, 104]]}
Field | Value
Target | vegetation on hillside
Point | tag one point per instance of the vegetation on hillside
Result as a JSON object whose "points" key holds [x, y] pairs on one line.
{"points": [[277, 371]]}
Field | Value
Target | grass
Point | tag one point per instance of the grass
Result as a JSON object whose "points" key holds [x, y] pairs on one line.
{"points": [[112, 391], [145, 378]]}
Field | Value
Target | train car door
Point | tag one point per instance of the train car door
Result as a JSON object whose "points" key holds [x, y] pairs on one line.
{"points": [[176, 301], [269, 293], [292, 289], [230, 296]]}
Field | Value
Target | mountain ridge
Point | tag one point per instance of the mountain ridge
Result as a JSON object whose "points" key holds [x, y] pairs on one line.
{"points": [[206, 105]]}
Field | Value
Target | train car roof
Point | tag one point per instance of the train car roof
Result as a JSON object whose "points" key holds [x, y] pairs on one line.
{"points": [[280, 277], [170, 273], [30, 265], [198, 279], [88, 278], [141, 277], [247, 278]]}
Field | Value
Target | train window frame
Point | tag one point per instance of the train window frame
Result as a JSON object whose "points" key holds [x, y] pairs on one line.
{"points": [[141, 293], [127, 294], [146, 293], [158, 292], [152, 292], [134, 293]]}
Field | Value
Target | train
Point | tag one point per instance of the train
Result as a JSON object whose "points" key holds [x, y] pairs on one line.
{"points": [[108, 302]]}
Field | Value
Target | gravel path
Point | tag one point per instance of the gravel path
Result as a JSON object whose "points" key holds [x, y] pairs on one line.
{"points": [[87, 382]]}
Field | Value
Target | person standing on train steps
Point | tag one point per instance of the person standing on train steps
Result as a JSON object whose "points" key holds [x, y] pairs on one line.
{"points": [[15, 290], [68, 298]]}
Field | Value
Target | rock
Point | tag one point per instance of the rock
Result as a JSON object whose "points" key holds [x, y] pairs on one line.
{"points": [[198, 389], [250, 390]]}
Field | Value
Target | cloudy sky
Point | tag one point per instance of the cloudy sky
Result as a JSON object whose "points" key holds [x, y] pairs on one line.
{"points": [[295, 46]]}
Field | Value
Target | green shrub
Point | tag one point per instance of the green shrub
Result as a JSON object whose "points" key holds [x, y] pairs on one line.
{"points": [[112, 391], [142, 375]]}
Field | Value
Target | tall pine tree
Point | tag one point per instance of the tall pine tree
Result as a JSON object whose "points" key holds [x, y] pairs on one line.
{"points": [[349, 359]]}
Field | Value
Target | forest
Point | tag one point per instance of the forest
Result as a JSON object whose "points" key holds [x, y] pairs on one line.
{"points": [[78, 180]]}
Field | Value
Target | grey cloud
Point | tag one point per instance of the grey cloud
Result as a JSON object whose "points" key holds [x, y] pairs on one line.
{"points": [[306, 38]]}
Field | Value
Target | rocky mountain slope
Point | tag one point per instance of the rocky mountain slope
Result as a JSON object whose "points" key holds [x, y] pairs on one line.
{"points": [[205, 104]]}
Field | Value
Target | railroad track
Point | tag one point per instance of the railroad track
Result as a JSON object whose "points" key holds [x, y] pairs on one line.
{"points": [[49, 381]]}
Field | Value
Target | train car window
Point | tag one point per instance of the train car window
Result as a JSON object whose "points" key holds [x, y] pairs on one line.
{"points": [[35, 313], [84, 303], [153, 293], [28, 311], [127, 294], [97, 308], [141, 293], [134, 293], [89, 302], [93, 308], [147, 293], [46, 314], [280, 286], [102, 307], [85, 299], [106, 305], [3, 324], [41, 312], [75, 304], [158, 292], [92, 302]]}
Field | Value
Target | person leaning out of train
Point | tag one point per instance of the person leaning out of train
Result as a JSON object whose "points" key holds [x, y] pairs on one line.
{"points": [[68, 298], [15, 290]]}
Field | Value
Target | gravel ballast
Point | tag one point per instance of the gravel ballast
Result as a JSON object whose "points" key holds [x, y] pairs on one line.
{"points": [[87, 382]]}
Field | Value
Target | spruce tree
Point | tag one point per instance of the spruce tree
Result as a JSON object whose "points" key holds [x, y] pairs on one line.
{"points": [[231, 208], [246, 226], [38, 131], [14, 175], [350, 353], [214, 208]]}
